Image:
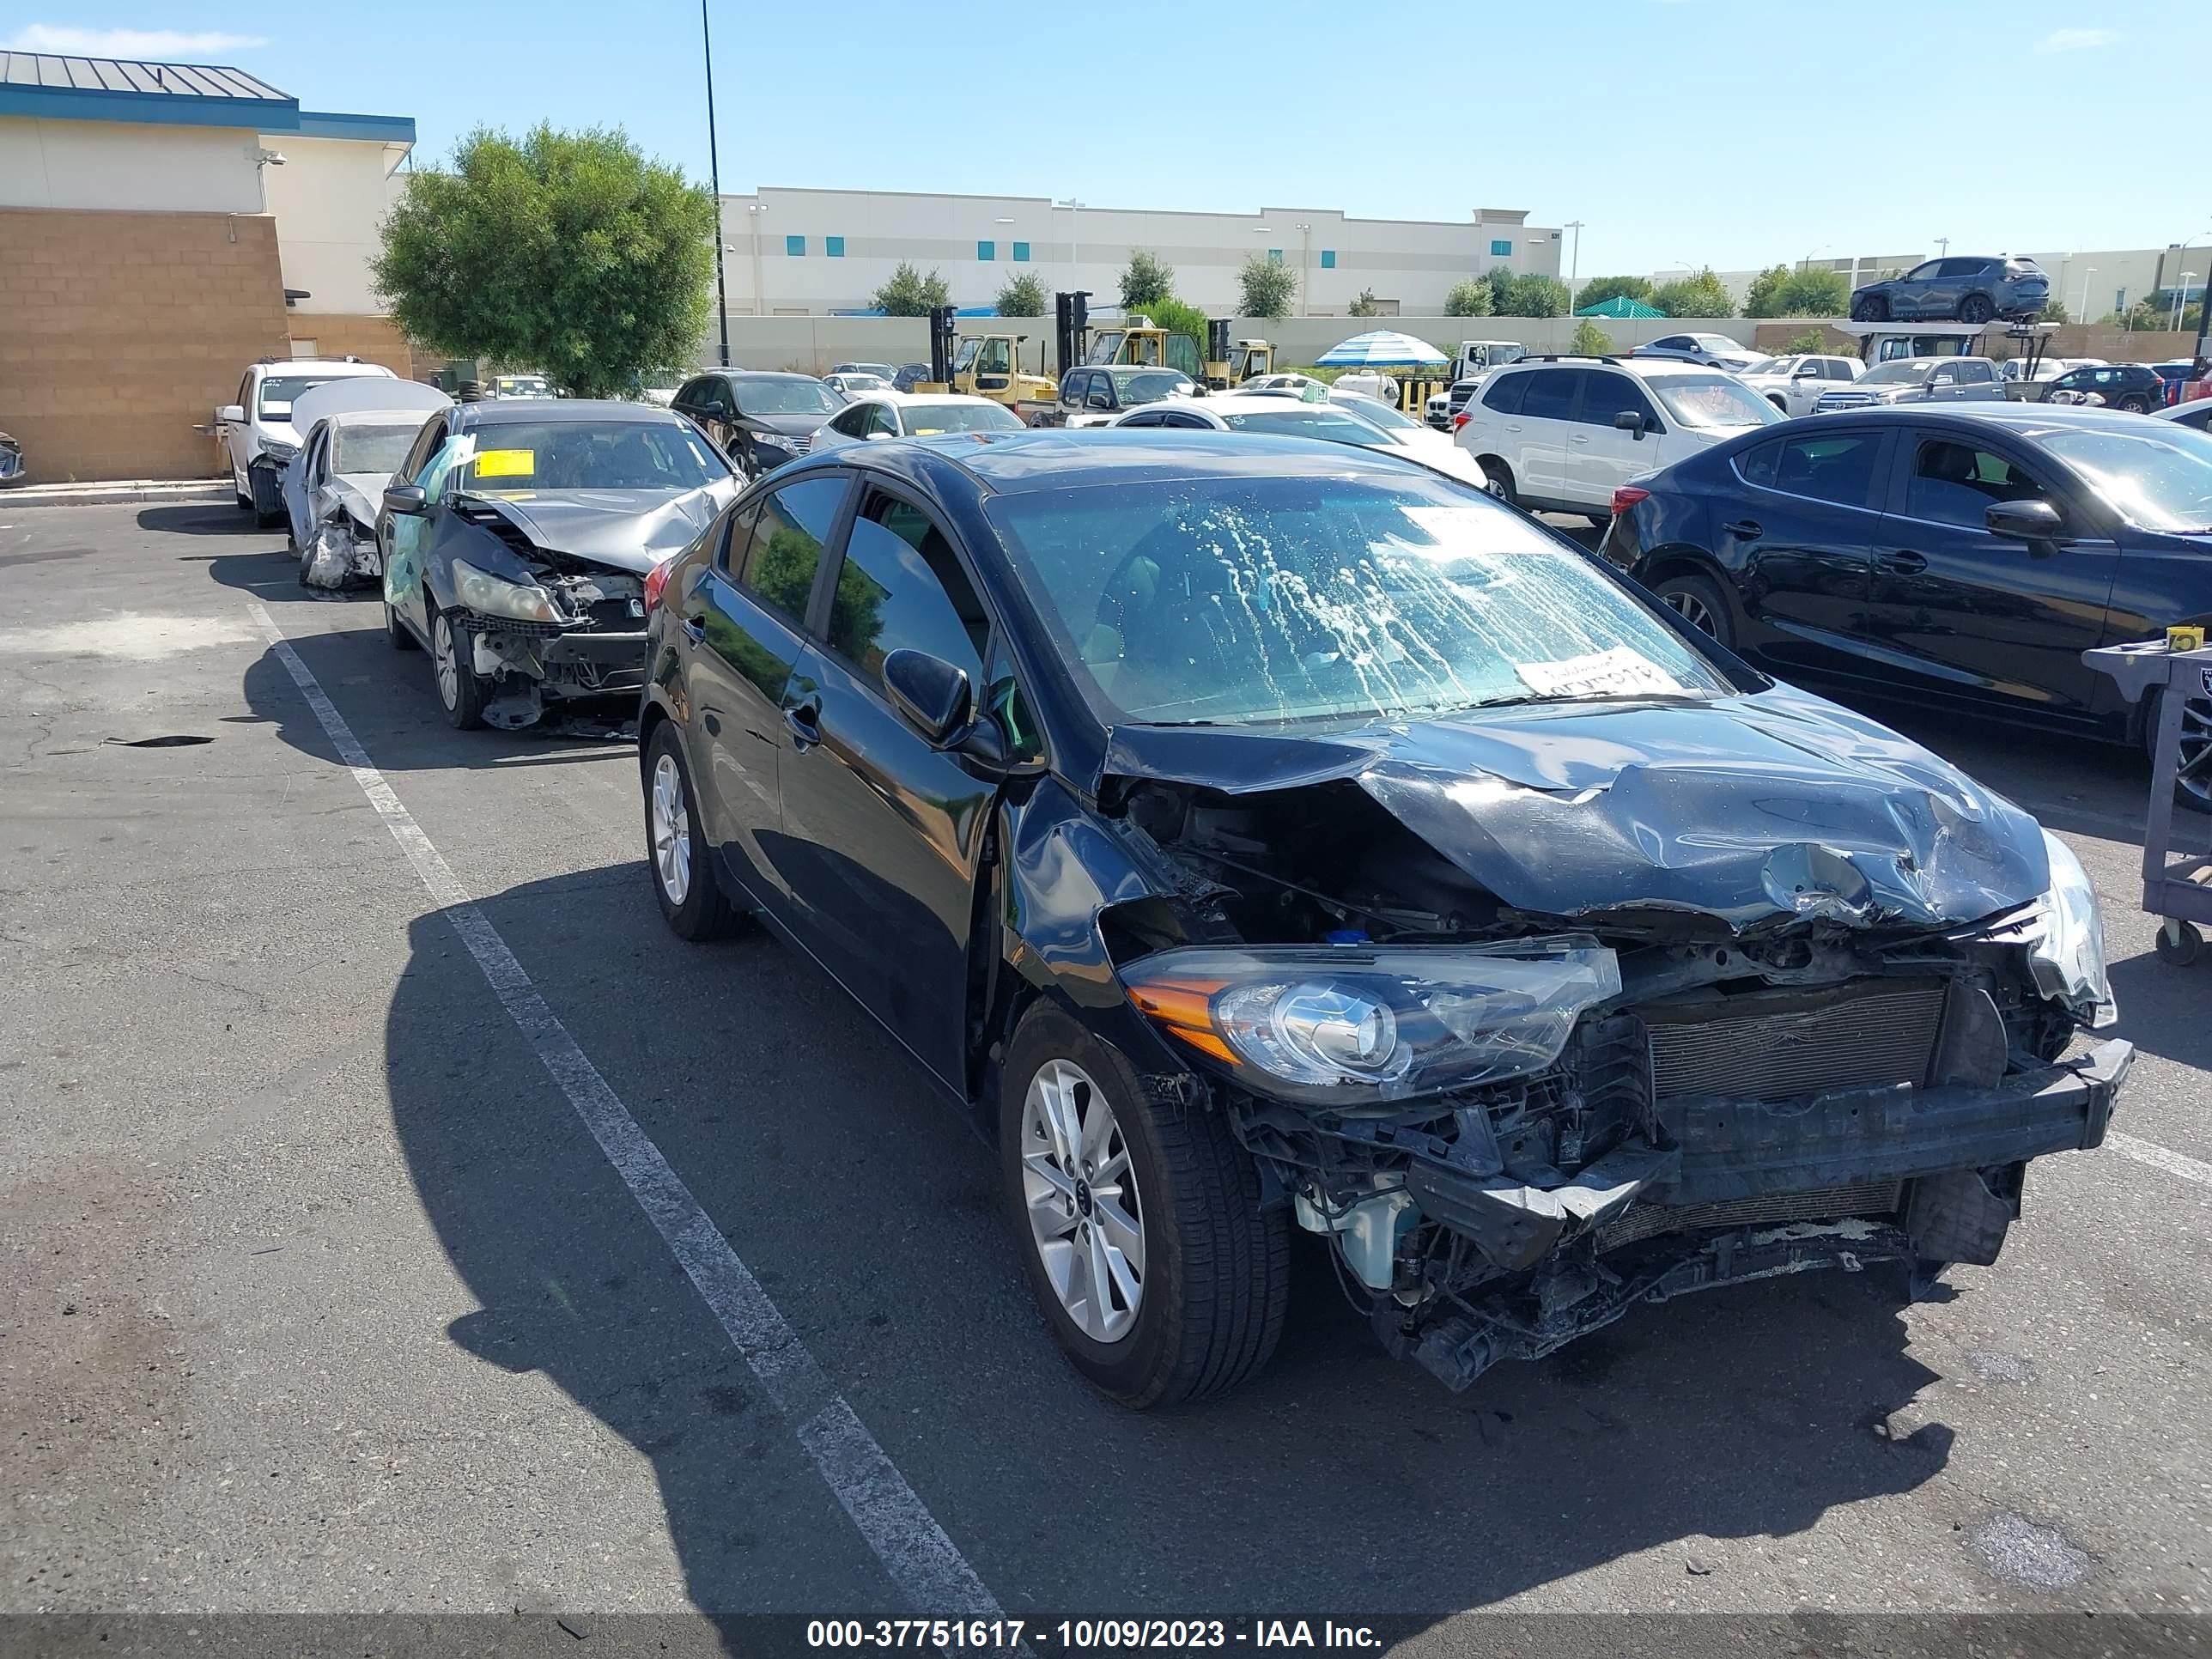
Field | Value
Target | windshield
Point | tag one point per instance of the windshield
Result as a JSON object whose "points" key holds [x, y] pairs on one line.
{"points": [[590, 455], [521, 385], [926, 420], [1771, 366], [1144, 385], [279, 391], [379, 449], [863, 382], [1712, 401], [2156, 480], [1239, 601], [1898, 373], [785, 398], [1377, 414]]}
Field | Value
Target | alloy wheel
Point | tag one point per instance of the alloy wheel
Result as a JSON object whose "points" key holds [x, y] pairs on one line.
{"points": [[1691, 609], [671, 831], [2193, 772], [448, 662], [1085, 1216]]}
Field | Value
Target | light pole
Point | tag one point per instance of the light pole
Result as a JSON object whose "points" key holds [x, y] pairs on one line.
{"points": [[1574, 263], [1806, 263], [2181, 298], [714, 179], [1074, 208], [2082, 310], [1943, 246], [1305, 260], [760, 298]]}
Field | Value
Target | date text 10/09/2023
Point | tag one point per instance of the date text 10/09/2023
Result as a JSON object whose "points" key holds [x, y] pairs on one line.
{"points": [[1088, 1634]]}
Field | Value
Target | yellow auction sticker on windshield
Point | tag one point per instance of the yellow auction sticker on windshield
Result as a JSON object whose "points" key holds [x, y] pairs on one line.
{"points": [[506, 463]]}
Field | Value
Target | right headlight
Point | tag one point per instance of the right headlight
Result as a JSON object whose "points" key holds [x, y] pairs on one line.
{"points": [[1361, 1024], [495, 596], [2067, 955]]}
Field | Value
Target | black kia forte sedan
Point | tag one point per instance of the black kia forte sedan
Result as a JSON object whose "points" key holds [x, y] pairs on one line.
{"points": [[1943, 557], [1261, 834]]}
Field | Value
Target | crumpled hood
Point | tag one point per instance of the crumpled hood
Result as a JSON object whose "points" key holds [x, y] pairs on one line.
{"points": [[632, 530], [362, 495], [1750, 809]]}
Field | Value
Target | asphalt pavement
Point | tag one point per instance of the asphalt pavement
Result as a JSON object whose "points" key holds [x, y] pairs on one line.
{"points": [[397, 1218]]}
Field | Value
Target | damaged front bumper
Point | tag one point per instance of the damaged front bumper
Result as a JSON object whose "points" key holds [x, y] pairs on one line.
{"points": [[531, 663], [1727, 1191], [341, 551]]}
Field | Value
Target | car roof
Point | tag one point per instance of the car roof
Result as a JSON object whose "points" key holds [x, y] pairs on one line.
{"points": [[1043, 459], [510, 412], [330, 366], [1644, 368], [2021, 420], [758, 374]]}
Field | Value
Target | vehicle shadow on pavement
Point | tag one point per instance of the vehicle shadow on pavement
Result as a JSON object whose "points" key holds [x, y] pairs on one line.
{"points": [[205, 519], [1703, 1431]]}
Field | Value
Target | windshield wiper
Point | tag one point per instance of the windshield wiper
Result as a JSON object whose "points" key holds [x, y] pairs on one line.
{"points": [[1526, 697]]}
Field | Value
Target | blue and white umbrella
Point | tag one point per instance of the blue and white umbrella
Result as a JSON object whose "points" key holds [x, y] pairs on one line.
{"points": [[1382, 348]]}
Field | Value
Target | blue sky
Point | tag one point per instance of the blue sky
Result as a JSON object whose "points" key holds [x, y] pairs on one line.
{"points": [[1738, 132]]}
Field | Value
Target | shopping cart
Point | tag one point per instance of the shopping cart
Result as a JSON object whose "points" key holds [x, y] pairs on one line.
{"points": [[2178, 892]]}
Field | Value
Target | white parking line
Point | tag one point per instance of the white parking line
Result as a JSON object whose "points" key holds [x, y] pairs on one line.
{"points": [[2147, 1151], [896, 1525]]}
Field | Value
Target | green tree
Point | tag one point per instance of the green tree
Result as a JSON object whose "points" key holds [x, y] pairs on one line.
{"points": [[1702, 296], [1022, 296], [1470, 298], [910, 294], [1365, 306], [1144, 281], [1599, 289], [1812, 340], [1179, 318], [1268, 288], [1590, 340], [2054, 311], [569, 252], [1528, 295], [1780, 291]]}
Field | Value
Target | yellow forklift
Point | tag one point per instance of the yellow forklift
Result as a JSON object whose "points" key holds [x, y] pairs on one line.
{"points": [[1230, 363], [1139, 342]]}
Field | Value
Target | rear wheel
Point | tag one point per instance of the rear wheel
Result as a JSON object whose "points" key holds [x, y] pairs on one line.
{"points": [[1698, 602], [1501, 479], [461, 691], [1976, 308], [2135, 403], [691, 900], [1139, 1224]]}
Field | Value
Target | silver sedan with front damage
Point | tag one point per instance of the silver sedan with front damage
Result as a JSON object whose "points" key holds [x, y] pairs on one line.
{"points": [[516, 539]]}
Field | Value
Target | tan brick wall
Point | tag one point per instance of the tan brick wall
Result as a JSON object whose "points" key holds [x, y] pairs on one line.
{"points": [[372, 339], [119, 330]]}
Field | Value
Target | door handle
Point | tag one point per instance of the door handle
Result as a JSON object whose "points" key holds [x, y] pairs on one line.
{"points": [[1905, 562], [802, 719], [1581, 437], [1746, 528], [695, 630]]}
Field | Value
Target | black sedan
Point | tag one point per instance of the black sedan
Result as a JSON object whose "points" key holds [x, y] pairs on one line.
{"points": [[516, 537], [1941, 557], [758, 418], [1263, 834]]}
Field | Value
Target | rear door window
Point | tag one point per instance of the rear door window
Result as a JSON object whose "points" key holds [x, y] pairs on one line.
{"points": [[1503, 394], [1551, 394], [786, 550], [1825, 467]]}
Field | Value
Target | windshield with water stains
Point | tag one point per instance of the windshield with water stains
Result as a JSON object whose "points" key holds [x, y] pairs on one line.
{"points": [[1249, 601]]}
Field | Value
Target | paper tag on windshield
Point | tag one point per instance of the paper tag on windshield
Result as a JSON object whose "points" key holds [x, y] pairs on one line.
{"points": [[1620, 669]]}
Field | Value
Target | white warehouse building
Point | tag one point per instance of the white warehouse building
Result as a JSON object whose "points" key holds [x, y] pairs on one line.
{"points": [[810, 252]]}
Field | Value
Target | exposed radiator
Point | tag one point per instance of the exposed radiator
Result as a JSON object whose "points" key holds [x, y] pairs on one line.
{"points": [[1773, 1045], [1826, 1204]]}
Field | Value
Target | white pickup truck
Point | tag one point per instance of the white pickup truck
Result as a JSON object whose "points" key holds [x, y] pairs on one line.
{"points": [[1794, 384]]}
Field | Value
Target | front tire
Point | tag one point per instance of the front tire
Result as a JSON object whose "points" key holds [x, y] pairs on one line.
{"points": [[2192, 781], [1871, 309], [1698, 602], [691, 900], [1140, 1222], [461, 692]]}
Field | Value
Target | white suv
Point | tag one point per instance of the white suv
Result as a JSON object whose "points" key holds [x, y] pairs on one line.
{"points": [[257, 431], [1561, 434]]}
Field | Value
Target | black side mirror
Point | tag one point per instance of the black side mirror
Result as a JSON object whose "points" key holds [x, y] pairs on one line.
{"points": [[407, 498], [1629, 422], [2024, 521], [930, 692], [1098, 400]]}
